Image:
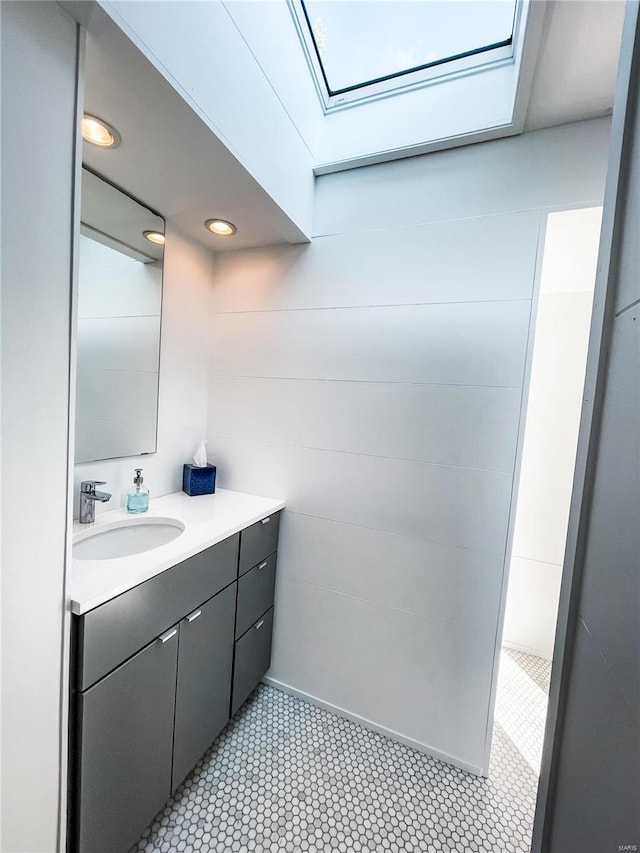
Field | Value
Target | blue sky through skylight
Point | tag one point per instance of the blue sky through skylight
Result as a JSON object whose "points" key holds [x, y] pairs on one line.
{"points": [[360, 41]]}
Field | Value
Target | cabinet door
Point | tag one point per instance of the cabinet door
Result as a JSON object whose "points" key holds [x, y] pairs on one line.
{"points": [[252, 659], [204, 680], [125, 728]]}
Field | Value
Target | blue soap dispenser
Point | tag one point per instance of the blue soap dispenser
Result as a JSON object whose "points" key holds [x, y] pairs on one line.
{"points": [[138, 497]]}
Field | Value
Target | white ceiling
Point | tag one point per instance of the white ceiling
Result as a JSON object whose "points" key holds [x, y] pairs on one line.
{"points": [[577, 63], [173, 163], [169, 159]]}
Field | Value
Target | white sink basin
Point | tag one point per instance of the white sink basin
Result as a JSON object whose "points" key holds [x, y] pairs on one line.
{"points": [[125, 538]]}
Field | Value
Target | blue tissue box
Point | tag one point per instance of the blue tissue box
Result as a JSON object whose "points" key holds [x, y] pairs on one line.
{"points": [[198, 481]]}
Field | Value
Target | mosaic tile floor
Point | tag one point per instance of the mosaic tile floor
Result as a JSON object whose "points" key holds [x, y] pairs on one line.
{"points": [[287, 776]]}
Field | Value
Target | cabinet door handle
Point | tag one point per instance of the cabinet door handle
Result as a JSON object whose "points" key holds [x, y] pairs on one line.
{"points": [[193, 616], [164, 638], [260, 624], [262, 565], [266, 520]]}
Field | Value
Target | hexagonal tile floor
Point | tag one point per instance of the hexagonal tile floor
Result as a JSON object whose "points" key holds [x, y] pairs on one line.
{"points": [[287, 776]]}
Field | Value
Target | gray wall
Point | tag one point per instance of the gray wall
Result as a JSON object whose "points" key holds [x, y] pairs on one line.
{"points": [[39, 46], [373, 380], [595, 803]]}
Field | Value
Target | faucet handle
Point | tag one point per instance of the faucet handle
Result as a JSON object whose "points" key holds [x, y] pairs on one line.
{"points": [[89, 486]]}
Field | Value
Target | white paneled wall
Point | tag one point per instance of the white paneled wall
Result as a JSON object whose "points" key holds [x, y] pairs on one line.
{"points": [[368, 261], [461, 425], [39, 84], [441, 503], [374, 379], [553, 418], [463, 343], [550, 169]]}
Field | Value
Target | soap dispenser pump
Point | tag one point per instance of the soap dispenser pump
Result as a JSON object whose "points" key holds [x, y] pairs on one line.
{"points": [[138, 497]]}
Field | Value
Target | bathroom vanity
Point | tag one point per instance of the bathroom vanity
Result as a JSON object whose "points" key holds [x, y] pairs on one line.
{"points": [[166, 646]]}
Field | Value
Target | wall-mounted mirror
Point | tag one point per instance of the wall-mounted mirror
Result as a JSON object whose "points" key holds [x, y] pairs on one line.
{"points": [[118, 334]]}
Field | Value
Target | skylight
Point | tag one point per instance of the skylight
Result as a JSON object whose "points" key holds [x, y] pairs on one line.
{"points": [[361, 48]]}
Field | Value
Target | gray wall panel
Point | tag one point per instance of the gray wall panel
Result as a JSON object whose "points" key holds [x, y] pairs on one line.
{"points": [[611, 583], [590, 784], [597, 795], [628, 281]]}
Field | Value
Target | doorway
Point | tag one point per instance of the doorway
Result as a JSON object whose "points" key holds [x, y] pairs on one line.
{"points": [[541, 504]]}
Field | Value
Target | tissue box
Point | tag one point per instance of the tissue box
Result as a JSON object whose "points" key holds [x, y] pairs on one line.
{"points": [[198, 481]]}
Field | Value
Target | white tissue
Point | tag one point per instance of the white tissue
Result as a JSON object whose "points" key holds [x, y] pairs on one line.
{"points": [[200, 456]]}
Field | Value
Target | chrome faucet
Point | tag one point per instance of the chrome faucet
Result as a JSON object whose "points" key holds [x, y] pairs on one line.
{"points": [[88, 498]]}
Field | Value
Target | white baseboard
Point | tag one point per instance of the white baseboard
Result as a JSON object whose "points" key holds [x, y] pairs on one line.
{"points": [[382, 730], [528, 650]]}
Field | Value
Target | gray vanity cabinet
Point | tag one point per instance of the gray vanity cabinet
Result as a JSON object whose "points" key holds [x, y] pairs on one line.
{"points": [[151, 690], [125, 731], [156, 672], [254, 613], [204, 680]]}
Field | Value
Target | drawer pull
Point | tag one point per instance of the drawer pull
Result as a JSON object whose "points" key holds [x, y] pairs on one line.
{"points": [[193, 616], [260, 624], [266, 520], [164, 638], [262, 565]]}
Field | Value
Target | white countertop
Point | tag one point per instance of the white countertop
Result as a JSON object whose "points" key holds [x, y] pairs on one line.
{"points": [[207, 519]]}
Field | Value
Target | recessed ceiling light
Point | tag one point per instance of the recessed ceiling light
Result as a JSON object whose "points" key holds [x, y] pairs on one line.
{"points": [[154, 237], [99, 132], [221, 227]]}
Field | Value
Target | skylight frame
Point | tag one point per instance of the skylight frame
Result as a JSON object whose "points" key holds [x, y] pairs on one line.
{"points": [[470, 62]]}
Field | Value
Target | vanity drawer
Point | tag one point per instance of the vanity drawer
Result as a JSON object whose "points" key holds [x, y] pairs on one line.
{"points": [[252, 659], [255, 594], [259, 541], [113, 632]]}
